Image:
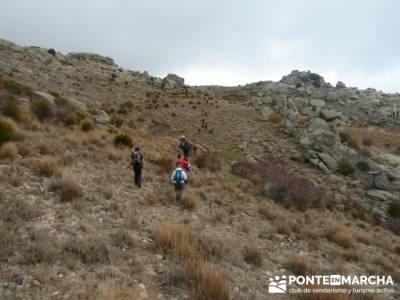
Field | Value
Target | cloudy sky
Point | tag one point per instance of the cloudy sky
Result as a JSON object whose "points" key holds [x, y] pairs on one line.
{"points": [[221, 41]]}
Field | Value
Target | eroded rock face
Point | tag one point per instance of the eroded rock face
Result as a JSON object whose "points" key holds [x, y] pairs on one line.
{"points": [[172, 81]]}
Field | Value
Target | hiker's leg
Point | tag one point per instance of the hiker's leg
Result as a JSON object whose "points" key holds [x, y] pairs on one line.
{"points": [[139, 179]]}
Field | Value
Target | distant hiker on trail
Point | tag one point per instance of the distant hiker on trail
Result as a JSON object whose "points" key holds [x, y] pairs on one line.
{"points": [[185, 146], [179, 179], [137, 166]]}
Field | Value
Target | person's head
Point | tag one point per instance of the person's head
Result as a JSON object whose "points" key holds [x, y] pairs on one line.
{"points": [[178, 164], [179, 155], [137, 149]]}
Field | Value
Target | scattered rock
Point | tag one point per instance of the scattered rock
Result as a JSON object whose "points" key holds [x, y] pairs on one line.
{"points": [[382, 182], [381, 195]]}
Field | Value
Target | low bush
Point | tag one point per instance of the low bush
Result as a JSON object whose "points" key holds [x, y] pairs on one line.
{"points": [[70, 190], [13, 110], [8, 151], [345, 167], [90, 250], [209, 160], [8, 130], [122, 239], [117, 122], [275, 181], [42, 109], [367, 142], [41, 249], [362, 165], [87, 126], [275, 117], [17, 88], [123, 140], [347, 139], [394, 209]]}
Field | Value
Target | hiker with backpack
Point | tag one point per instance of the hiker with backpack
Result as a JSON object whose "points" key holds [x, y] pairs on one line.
{"points": [[137, 166], [183, 162], [179, 180], [185, 146]]}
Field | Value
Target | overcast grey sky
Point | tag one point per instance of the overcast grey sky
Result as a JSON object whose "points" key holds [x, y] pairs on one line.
{"points": [[221, 41]]}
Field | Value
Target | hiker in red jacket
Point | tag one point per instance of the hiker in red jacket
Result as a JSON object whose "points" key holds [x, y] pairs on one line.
{"points": [[183, 161]]}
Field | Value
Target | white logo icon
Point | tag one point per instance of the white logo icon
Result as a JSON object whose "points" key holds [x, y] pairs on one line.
{"points": [[277, 285], [335, 280]]}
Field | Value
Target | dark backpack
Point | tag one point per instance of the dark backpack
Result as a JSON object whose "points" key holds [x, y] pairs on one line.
{"points": [[137, 158]]}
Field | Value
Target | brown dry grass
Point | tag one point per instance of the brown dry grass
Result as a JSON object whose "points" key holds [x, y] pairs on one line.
{"points": [[341, 235], [209, 283], [176, 240], [190, 200], [70, 189], [8, 152], [253, 255], [267, 211], [298, 265], [345, 254], [108, 192], [383, 140], [46, 166]]}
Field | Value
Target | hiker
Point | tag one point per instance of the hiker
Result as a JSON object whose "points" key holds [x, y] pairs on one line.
{"points": [[179, 179], [185, 146], [137, 166], [183, 162]]}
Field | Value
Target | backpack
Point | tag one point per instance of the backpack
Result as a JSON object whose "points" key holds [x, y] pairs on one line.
{"points": [[178, 178], [136, 158]]}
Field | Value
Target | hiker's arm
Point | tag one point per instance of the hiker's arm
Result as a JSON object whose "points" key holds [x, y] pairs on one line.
{"points": [[172, 177]]}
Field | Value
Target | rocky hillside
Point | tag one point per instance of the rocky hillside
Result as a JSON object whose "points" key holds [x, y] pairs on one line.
{"points": [[291, 177]]}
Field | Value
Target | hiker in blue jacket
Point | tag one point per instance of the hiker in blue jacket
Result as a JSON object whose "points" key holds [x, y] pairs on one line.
{"points": [[179, 180]]}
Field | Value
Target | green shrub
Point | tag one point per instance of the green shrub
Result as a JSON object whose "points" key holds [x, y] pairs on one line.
{"points": [[42, 109], [71, 120], [87, 126], [123, 140], [394, 209], [7, 131], [349, 141], [362, 165], [17, 88], [13, 110], [345, 167]]}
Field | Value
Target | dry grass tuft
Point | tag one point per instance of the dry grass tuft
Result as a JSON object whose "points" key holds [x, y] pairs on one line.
{"points": [[108, 192], [46, 166], [177, 241], [70, 190], [90, 250], [341, 236], [298, 265], [267, 211], [8, 151], [190, 200], [209, 283], [150, 196], [253, 255], [165, 163], [346, 254]]}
